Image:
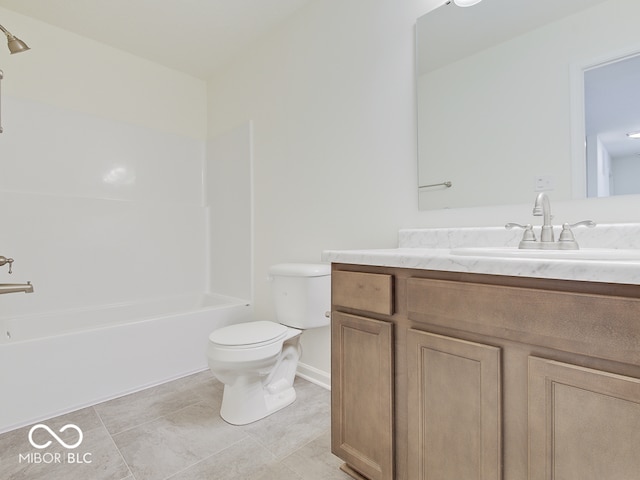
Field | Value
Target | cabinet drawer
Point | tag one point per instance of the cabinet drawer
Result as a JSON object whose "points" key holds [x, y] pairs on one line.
{"points": [[370, 292], [586, 324]]}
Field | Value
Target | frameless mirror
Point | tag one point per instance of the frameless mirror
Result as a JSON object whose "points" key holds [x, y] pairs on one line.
{"points": [[501, 92]]}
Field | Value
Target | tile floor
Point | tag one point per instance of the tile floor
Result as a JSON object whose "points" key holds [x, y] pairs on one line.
{"points": [[174, 432]]}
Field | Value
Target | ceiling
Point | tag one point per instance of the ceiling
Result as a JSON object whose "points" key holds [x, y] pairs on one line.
{"points": [[192, 36]]}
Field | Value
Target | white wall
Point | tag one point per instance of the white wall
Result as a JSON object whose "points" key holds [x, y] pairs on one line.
{"points": [[101, 188], [331, 96], [79, 74], [625, 175]]}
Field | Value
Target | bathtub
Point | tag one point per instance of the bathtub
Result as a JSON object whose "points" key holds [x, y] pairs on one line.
{"points": [[55, 363]]}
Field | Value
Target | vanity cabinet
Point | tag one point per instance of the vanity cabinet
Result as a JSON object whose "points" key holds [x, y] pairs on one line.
{"points": [[442, 375], [362, 373]]}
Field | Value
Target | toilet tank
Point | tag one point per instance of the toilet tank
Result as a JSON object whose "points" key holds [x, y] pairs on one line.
{"points": [[302, 294]]}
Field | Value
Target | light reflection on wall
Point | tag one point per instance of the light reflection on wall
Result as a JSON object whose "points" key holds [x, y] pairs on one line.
{"points": [[120, 176]]}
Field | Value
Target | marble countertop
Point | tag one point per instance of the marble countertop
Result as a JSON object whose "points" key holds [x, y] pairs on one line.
{"points": [[431, 249]]}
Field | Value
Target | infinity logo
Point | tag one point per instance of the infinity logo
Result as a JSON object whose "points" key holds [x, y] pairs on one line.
{"points": [[52, 433]]}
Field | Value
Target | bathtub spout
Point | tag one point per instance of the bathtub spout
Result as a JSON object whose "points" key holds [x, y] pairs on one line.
{"points": [[16, 287]]}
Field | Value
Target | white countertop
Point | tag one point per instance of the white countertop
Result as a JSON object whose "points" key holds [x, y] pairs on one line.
{"points": [[442, 259], [430, 249]]}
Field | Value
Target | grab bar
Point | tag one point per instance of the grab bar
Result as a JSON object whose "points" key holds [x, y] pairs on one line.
{"points": [[443, 184]]}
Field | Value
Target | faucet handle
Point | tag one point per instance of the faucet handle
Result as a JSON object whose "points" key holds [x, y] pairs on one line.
{"points": [[584, 223], [567, 235], [5, 260], [528, 235], [511, 225]]}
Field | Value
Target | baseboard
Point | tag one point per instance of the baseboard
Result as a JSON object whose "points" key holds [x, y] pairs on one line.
{"points": [[314, 375]]}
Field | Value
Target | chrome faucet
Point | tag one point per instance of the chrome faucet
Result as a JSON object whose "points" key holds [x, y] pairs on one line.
{"points": [[16, 287], [542, 208], [13, 287]]}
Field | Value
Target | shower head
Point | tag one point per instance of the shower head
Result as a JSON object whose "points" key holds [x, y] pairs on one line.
{"points": [[15, 44]]}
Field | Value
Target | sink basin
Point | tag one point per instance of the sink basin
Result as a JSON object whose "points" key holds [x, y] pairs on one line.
{"points": [[584, 254]]}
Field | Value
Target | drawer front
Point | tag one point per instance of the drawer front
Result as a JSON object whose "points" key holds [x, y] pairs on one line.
{"points": [[593, 325], [369, 292]]}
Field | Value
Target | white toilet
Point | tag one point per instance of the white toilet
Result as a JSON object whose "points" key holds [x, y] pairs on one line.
{"points": [[257, 361]]}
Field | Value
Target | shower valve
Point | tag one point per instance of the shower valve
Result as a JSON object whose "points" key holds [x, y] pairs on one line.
{"points": [[5, 260]]}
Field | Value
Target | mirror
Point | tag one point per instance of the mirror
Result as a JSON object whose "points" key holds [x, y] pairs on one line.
{"points": [[501, 97], [612, 127]]}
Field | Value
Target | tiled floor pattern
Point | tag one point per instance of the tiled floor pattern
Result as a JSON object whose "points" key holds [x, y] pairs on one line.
{"points": [[174, 432]]}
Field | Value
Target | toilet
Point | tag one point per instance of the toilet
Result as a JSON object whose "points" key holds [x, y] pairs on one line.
{"points": [[257, 360]]}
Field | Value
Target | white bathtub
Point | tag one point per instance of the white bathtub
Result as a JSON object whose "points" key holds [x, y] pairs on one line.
{"points": [[58, 362]]}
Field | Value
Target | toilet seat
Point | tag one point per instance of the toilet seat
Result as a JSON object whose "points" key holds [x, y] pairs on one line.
{"points": [[249, 335], [247, 343]]}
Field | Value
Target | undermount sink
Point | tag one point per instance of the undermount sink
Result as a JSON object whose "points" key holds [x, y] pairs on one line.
{"points": [[584, 254]]}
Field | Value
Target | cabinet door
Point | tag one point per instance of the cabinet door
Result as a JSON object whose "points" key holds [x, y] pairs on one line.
{"points": [[454, 408], [584, 424], [362, 394]]}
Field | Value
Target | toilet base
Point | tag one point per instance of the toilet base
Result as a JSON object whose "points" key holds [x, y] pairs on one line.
{"points": [[261, 387], [248, 401]]}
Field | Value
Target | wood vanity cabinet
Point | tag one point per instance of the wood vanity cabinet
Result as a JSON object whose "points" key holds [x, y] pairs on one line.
{"points": [[362, 375], [449, 376]]}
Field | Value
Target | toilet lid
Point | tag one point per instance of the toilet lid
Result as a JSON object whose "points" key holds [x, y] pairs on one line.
{"points": [[249, 334]]}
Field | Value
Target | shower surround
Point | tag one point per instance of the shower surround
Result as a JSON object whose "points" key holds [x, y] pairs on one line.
{"points": [[110, 223]]}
